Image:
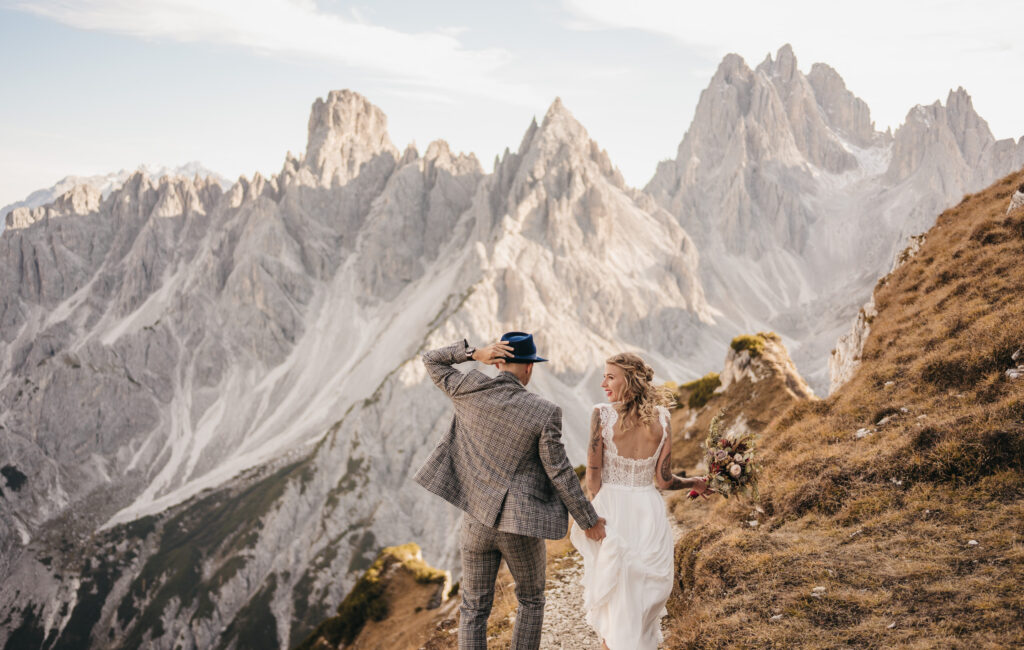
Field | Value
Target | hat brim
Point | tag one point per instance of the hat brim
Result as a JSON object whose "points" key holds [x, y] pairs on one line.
{"points": [[533, 359]]}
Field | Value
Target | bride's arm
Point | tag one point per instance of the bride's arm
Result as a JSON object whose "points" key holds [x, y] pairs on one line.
{"points": [[664, 479], [595, 455]]}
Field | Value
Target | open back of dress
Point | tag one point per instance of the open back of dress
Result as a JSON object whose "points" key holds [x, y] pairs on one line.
{"points": [[627, 578]]}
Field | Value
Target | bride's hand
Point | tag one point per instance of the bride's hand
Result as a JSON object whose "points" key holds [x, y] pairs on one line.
{"points": [[699, 487], [700, 484]]}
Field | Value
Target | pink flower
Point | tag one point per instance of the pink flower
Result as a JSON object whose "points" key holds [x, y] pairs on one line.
{"points": [[735, 470]]}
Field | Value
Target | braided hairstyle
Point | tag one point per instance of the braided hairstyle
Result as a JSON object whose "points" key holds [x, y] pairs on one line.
{"points": [[640, 396]]}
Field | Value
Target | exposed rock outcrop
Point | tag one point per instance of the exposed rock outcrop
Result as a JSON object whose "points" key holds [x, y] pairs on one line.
{"points": [[845, 356], [757, 383], [1016, 201]]}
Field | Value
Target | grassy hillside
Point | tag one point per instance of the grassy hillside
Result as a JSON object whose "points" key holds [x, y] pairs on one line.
{"points": [[909, 533], [395, 604]]}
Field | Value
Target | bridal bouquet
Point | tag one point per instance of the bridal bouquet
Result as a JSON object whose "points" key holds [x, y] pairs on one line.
{"points": [[732, 467]]}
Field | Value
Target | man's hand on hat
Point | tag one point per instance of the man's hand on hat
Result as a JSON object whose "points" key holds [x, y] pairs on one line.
{"points": [[493, 353]]}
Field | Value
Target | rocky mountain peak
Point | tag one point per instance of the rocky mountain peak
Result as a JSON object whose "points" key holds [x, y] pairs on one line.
{"points": [[731, 64], [561, 135], [970, 129], [951, 132], [439, 154], [557, 154], [783, 67], [558, 128], [345, 131], [410, 154], [843, 110], [79, 200], [558, 111]]}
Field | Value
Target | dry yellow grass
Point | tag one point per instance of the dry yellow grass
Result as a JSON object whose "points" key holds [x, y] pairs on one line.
{"points": [[883, 525]]}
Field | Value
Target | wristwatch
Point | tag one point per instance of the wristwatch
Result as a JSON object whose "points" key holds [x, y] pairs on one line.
{"points": [[469, 351]]}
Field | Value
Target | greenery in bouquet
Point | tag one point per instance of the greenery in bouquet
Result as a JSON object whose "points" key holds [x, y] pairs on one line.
{"points": [[731, 460]]}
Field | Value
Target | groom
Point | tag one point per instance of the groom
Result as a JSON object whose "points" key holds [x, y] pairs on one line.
{"points": [[502, 462]]}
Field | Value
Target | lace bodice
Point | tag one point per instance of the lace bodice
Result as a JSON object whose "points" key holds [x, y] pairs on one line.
{"points": [[634, 472]]}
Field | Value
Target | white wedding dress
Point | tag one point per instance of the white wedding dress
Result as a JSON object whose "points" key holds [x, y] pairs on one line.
{"points": [[627, 577]]}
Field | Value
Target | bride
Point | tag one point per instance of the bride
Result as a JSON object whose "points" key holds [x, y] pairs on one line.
{"points": [[627, 578]]}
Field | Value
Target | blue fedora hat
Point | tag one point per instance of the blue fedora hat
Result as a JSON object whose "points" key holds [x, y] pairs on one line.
{"points": [[523, 348]]}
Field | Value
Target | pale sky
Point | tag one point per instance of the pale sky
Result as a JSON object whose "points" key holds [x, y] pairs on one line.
{"points": [[94, 86]]}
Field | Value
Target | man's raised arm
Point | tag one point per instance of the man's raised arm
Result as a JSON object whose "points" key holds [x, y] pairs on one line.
{"points": [[439, 364]]}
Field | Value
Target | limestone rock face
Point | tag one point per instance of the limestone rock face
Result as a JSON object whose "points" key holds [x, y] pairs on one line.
{"points": [[845, 356], [1016, 201], [842, 111], [345, 132], [771, 361], [104, 184], [79, 200], [241, 399], [797, 205]]}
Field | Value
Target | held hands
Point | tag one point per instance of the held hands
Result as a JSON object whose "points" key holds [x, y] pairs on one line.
{"points": [[596, 532], [493, 353]]}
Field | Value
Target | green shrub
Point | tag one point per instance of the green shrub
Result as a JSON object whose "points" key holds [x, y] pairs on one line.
{"points": [[702, 389], [754, 343]]}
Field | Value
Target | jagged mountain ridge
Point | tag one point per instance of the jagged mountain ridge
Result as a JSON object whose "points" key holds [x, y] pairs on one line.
{"points": [[104, 184], [297, 304], [798, 205], [287, 312]]}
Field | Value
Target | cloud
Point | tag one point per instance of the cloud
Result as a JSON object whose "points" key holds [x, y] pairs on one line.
{"points": [[761, 26], [893, 54], [435, 60]]}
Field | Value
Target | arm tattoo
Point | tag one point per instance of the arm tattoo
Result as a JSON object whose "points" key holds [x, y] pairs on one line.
{"points": [[672, 482], [595, 432], [676, 483], [666, 473]]}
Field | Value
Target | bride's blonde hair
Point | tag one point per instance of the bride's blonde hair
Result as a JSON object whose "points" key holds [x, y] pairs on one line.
{"points": [[640, 396]]}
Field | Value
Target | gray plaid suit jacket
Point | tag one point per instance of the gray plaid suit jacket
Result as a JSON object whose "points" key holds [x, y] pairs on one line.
{"points": [[502, 460]]}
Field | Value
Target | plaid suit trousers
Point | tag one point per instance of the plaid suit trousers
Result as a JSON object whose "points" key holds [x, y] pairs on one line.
{"points": [[483, 548]]}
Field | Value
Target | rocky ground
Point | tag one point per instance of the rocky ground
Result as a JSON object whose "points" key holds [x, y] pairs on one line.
{"points": [[564, 626]]}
